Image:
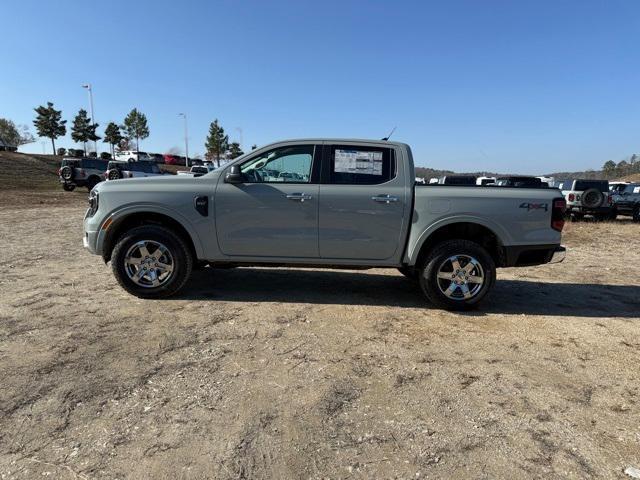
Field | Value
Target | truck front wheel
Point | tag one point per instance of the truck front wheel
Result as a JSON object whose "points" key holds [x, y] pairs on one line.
{"points": [[151, 261], [457, 275]]}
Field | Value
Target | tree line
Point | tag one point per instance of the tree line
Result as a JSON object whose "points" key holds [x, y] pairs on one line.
{"points": [[49, 124], [623, 168]]}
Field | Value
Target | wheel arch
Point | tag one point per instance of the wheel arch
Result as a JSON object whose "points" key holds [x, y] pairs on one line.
{"points": [[464, 230], [125, 222]]}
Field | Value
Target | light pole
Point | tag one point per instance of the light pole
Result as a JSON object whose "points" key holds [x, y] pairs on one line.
{"points": [[88, 87], [239, 129], [186, 139]]}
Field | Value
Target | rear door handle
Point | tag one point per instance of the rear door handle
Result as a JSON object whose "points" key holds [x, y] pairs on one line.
{"points": [[299, 197], [384, 198]]}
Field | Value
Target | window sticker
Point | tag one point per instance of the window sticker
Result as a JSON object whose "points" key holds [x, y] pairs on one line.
{"points": [[358, 161]]}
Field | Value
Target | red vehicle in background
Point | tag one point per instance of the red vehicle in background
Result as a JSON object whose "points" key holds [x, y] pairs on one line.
{"points": [[172, 159]]}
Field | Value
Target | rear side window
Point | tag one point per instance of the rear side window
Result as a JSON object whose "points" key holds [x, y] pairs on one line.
{"points": [[601, 185], [349, 165]]}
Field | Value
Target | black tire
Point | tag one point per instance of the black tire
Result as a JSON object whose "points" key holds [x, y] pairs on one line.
{"points": [[440, 254], [636, 214], [68, 187], [66, 173], [114, 174], [92, 182], [592, 198], [409, 272], [180, 252]]}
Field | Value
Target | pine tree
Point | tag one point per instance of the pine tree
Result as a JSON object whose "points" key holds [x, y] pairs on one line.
{"points": [[217, 142], [234, 150], [112, 136], [135, 126], [49, 123], [83, 130]]}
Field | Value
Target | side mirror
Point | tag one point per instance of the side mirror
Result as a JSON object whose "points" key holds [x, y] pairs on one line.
{"points": [[234, 175]]}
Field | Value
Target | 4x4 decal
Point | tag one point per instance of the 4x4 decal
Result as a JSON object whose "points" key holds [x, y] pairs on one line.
{"points": [[535, 206]]}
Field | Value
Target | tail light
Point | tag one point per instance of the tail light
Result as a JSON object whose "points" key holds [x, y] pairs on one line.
{"points": [[572, 197], [557, 213], [610, 200], [59, 170]]}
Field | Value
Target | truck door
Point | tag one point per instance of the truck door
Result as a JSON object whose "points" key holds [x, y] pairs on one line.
{"points": [[274, 212], [362, 203]]}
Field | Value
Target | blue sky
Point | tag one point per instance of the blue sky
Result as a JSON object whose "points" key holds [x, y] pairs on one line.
{"points": [[512, 86]]}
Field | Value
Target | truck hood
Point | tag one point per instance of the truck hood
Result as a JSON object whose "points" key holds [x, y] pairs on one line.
{"points": [[168, 182]]}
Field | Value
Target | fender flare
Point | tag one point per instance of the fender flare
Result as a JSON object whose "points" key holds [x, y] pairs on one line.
{"points": [[121, 213], [414, 248]]}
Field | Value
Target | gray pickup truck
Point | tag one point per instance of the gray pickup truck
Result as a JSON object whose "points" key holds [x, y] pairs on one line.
{"points": [[323, 203]]}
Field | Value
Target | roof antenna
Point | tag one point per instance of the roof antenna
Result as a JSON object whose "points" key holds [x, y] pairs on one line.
{"points": [[390, 133]]}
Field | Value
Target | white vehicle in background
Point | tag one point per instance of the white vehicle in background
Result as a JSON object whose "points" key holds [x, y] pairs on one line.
{"points": [[117, 170], [198, 170], [485, 180], [550, 181], [133, 156], [433, 180], [616, 187]]}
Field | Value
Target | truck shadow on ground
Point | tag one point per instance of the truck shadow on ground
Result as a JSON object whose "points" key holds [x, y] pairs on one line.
{"points": [[375, 289]]}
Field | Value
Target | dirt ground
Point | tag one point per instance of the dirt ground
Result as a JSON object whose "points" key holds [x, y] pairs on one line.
{"points": [[258, 373]]}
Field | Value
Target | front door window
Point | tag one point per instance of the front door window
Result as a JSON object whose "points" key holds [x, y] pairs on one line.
{"points": [[282, 165]]}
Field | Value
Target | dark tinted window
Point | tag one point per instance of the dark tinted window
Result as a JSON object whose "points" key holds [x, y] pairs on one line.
{"points": [[582, 185], [95, 164], [459, 180], [351, 165]]}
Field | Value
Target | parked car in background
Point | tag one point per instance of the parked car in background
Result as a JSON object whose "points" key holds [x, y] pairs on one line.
{"points": [[626, 201], [458, 180], [81, 172], [157, 157], [118, 170], [615, 187], [133, 156], [587, 197], [485, 180], [172, 159], [198, 170], [359, 206], [520, 181]]}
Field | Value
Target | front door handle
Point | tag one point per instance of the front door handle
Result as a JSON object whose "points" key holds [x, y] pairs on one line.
{"points": [[299, 197], [384, 198]]}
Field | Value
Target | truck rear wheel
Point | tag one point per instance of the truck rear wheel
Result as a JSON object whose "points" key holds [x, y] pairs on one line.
{"points": [[457, 275], [151, 261]]}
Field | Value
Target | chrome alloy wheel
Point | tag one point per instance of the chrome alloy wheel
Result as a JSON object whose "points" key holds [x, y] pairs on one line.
{"points": [[460, 277], [149, 263]]}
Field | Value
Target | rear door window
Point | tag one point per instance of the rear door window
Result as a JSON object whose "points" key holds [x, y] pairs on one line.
{"points": [[350, 165]]}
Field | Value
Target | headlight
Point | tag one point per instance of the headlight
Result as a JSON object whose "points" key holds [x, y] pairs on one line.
{"points": [[93, 202]]}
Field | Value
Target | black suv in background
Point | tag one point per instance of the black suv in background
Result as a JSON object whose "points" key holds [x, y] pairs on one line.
{"points": [[626, 201], [81, 172]]}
